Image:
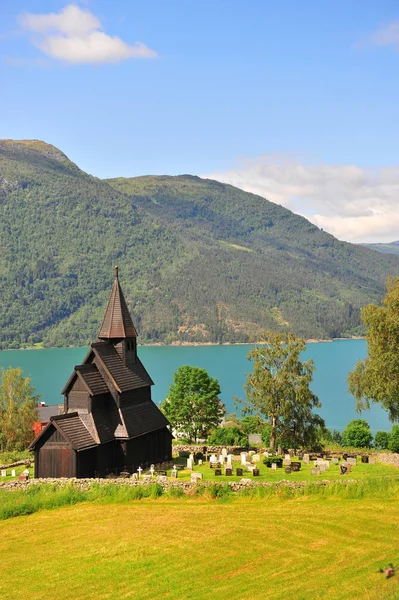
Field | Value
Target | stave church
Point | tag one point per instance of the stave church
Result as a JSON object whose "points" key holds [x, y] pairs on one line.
{"points": [[110, 423]]}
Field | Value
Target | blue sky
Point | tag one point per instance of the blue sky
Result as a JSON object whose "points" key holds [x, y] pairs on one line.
{"points": [[297, 101]]}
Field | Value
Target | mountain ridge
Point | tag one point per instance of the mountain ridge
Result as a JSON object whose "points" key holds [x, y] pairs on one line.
{"points": [[200, 261]]}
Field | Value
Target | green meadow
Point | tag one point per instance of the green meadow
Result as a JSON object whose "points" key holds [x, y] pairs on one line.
{"points": [[315, 544]]}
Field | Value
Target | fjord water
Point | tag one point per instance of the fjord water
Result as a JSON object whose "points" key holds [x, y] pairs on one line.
{"points": [[49, 370]]}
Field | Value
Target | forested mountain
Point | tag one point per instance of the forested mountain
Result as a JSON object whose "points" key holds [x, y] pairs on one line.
{"points": [[199, 260], [392, 248]]}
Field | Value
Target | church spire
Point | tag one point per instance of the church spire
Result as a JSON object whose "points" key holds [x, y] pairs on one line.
{"points": [[117, 323]]}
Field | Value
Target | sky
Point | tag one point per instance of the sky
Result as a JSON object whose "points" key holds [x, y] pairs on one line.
{"points": [[295, 101]]}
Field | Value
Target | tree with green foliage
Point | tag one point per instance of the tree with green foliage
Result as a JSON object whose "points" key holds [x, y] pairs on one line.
{"points": [[192, 405], [18, 410], [381, 440], [228, 436], [333, 436], [376, 379], [278, 388], [357, 434], [393, 444]]}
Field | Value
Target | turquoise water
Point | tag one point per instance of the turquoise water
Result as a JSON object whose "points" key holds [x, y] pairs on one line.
{"points": [[50, 369]]}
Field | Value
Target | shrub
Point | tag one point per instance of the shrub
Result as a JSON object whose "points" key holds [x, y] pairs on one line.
{"points": [[393, 443], [273, 459], [357, 433], [228, 436], [381, 440]]}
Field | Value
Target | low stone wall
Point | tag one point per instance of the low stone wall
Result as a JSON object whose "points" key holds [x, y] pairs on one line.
{"points": [[388, 459], [176, 448], [187, 486], [19, 463]]}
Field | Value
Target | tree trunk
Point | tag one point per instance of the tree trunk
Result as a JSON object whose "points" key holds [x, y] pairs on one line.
{"points": [[273, 434]]}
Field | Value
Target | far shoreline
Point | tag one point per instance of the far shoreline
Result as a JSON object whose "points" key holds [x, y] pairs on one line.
{"points": [[178, 344]]}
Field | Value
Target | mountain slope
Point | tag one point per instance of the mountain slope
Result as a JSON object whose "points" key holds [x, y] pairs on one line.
{"points": [[199, 260], [392, 248]]}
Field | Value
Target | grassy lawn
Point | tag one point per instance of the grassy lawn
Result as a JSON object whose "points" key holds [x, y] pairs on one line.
{"points": [[360, 471], [300, 549]]}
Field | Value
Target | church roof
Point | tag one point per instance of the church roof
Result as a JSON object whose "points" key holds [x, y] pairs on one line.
{"points": [[117, 323], [124, 378], [73, 429]]}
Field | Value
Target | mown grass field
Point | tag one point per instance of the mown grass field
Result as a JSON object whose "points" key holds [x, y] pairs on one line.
{"points": [[307, 547]]}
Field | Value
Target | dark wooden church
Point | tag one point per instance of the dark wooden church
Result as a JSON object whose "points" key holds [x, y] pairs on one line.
{"points": [[110, 424]]}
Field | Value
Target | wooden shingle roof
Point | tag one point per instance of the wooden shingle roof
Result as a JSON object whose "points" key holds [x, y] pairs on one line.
{"points": [[92, 378], [125, 378], [72, 429], [117, 323], [143, 417]]}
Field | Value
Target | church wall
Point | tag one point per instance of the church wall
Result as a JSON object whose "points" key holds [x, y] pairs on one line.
{"points": [[54, 456]]}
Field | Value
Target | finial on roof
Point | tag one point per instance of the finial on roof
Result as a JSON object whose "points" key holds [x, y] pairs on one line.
{"points": [[116, 272]]}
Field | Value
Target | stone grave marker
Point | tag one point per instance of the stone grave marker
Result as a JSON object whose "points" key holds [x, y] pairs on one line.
{"points": [[224, 451], [334, 461], [200, 462], [221, 458], [287, 456], [306, 459], [189, 464], [13, 473], [196, 477], [295, 466], [135, 476], [229, 472], [322, 468], [255, 458], [351, 461], [239, 472], [365, 459], [274, 467], [251, 468], [343, 469], [288, 470], [251, 452], [243, 458], [218, 472], [291, 452], [4, 472], [371, 460], [229, 459], [174, 472], [315, 471], [286, 462], [255, 472]]}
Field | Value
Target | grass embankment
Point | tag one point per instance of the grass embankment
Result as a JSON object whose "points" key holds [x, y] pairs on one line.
{"points": [[310, 546]]}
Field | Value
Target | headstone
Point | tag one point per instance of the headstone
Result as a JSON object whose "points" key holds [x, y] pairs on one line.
{"points": [[200, 462], [189, 464], [306, 459], [256, 458], [322, 468], [343, 469], [152, 470], [254, 438], [191, 456], [213, 458], [287, 456], [23, 477], [195, 477], [266, 454], [221, 458], [286, 462], [243, 458], [251, 452], [134, 476], [351, 461], [279, 450], [239, 472], [300, 455], [334, 461], [4, 472], [255, 473], [229, 472], [371, 460], [274, 467], [288, 470], [230, 458], [295, 466], [174, 472], [139, 471], [224, 451], [315, 471], [365, 459], [251, 468], [218, 472], [291, 452], [13, 473]]}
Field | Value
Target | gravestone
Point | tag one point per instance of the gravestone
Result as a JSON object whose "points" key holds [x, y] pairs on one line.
{"points": [[254, 438], [134, 477], [286, 462], [315, 471], [279, 450], [256, 458], [239, 472], [213, 458], [255, 472], [229, 472], [243, 458], [343, 469], [200, 462], [322, 468], [189, 464], [13, 473], [162, 473], [174, 472], [365, 459], [334, 461], [4, 472], [251, 453], [291, 452], [221, 458], [224, 451], [295, 466], [287, 456], [229, 459], [306, 459], [218, 472], [287, 470], [371, 460], [274, 467], [196, 477], [300, 455], [351, 461]]}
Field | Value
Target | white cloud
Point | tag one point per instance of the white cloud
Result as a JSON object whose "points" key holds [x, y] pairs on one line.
{"points": [[75, 36], [354, 204], [386, 36]]}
